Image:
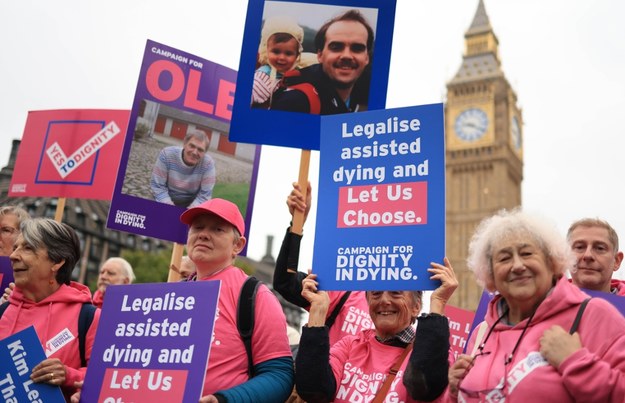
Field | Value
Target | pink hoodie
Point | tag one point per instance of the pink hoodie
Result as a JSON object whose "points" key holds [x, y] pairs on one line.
{"points": [[56, 322], [619, 285], [595, 373]]}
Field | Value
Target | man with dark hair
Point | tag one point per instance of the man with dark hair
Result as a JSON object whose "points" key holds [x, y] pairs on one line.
{"points": [[344, 48]]}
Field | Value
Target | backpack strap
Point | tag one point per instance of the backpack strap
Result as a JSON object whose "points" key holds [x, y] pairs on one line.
{"points": [[245, 317], [335, 312], [3, 308], [578, 317], [87, 311]]}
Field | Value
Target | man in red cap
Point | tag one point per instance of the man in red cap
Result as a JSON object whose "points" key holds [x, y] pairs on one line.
{"points": [[216, 237]]}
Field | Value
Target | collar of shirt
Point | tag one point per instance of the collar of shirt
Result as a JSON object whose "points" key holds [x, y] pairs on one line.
{"points": [[400, 339]]}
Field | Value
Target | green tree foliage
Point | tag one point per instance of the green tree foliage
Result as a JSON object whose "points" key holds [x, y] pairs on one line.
{"points": [[153, 267], [149, 267]]}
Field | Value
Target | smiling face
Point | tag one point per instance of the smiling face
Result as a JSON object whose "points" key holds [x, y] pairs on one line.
{"points": [[345, 54], [596, 257], [282, 54], [33, 270], [193, 151], [9, 230], [521, 272], [212, 244], [392, 311]]}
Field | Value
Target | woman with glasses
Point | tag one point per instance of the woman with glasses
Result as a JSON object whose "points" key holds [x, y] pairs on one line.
{"points": [[10, 219], [529, 349], [378, 364]]}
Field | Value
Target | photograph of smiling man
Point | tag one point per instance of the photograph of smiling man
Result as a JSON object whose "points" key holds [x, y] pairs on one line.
{"points": [[338, 80], [305, 59]]}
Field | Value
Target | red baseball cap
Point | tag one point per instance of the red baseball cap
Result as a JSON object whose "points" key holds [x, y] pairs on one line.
{"points": [[220, 207]]}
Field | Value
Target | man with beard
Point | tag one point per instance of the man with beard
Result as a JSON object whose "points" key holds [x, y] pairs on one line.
{"points": [[344, 48]]}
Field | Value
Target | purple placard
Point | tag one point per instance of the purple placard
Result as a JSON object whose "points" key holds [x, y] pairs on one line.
{"points": [[6, 273], [19, 353], [152, 343], [177, 93]]}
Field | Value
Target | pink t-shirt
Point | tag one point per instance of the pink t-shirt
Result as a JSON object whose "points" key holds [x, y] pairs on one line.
{"points": [[227, 363], [352, 318], [360, 365]]}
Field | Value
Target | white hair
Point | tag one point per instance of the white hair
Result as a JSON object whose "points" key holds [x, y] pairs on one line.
{"points": [[506, 223]]}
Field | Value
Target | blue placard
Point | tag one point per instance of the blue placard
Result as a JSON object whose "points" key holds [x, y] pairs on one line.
{"points": [[296, 129], [19, 353], [381, 214], [152, 343]]}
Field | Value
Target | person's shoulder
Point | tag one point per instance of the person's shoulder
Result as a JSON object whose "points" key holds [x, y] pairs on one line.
{"points": [[264, 69]]}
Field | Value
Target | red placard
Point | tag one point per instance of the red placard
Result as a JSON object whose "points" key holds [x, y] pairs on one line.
{"points": [[70, 153]]}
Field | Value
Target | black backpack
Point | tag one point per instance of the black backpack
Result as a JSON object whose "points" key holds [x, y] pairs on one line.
{"points": [[87, 311], [246, 317]]}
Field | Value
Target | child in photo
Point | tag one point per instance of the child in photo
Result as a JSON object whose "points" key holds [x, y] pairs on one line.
{"points": [[279, 51]]}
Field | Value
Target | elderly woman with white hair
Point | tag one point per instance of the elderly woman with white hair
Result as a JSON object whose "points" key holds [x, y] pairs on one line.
{"points": [[538, 343]]}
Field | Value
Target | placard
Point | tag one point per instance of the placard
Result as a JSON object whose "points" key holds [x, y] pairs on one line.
{"points": [[152, 343], [264, 124], [69, 153], [161, 174], [381, 210], [19, 354]]}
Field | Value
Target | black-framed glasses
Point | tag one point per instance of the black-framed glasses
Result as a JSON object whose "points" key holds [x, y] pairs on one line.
{"points": [[499, 392]]}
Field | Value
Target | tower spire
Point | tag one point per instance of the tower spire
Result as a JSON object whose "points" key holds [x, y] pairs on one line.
{"points": [[481, 55]]}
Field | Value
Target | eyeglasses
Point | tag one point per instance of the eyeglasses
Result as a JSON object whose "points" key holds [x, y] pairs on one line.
{"points": [[8, 231], [499, 392]]}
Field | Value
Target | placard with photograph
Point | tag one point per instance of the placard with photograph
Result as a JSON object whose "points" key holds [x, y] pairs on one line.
{"points": [[178, 152], [303, 59]]}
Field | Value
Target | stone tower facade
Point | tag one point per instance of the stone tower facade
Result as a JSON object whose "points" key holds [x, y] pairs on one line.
{"points": [[484, 141]]}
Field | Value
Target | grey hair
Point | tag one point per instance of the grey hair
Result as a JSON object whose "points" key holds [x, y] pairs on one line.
{"points": [[417, 296], [506, 223], [21, 214], [125, 266], [198, 134], [595, 222], [59, 240]]}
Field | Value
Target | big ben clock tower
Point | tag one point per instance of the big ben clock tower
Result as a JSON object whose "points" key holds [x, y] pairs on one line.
{"points": [[484, 156]]}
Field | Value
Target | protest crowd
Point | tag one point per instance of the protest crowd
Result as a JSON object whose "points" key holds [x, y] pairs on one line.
{"points": [[553, 328]]}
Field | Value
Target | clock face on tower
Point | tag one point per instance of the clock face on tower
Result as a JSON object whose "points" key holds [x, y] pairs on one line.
{"points": [[471, 124], [515, 133]]}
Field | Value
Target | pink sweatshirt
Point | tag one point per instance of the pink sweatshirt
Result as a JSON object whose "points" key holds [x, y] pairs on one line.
{"points": [[360, 364], [353, 316], [595, 373], [227, 363], [54, 318], [619, 285]]}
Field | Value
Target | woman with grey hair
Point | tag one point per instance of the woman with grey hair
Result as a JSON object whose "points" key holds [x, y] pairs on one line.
{"points": [[536, 343], [43, 258], [363, 367]]}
